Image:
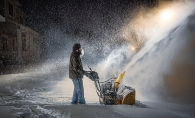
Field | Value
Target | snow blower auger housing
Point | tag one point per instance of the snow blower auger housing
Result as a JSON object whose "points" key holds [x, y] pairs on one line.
{"points": [[110, 93]]}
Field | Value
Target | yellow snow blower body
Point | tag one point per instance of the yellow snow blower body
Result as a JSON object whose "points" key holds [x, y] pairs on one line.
{"points": [[127, 94], [110, 93]]}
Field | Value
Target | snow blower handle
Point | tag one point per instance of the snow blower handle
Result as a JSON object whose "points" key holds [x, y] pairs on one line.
{"points": [[92, 75], [89, 68]]}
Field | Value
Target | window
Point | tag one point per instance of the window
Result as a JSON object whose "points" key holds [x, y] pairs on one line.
{"points": [[11, 9], [2, 7], [4, 43], [23, 42], [14, 44], [21, 20], [1, 3]]}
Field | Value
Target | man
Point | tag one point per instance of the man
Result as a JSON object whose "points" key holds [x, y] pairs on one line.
{"points": [[76, 75]]}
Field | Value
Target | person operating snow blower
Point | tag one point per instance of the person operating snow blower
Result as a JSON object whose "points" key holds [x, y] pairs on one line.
{"points": [[76, 73]]}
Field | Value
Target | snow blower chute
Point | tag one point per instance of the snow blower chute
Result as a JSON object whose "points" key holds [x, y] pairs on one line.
{"points": [[110, 93]]}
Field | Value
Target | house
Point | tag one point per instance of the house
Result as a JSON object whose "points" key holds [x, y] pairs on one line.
{"points": [[19, 44]]}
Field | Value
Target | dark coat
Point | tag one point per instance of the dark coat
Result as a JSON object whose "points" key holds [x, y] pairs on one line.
{"points": [[75, 66]]}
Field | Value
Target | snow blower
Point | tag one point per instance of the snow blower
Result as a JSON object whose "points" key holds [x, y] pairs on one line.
{"points": [[109, 92]]}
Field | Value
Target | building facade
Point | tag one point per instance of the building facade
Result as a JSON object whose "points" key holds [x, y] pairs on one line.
{"points": [[19, 44]]}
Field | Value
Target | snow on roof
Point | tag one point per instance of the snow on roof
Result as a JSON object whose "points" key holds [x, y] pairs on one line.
{"points": [[2, 19]]}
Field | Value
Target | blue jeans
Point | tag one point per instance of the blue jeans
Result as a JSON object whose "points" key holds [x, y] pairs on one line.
{"points": [[78, 94]]}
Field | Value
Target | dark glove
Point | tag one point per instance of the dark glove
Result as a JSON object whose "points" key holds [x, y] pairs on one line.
{"points": [[92, 75], [85, 73]]}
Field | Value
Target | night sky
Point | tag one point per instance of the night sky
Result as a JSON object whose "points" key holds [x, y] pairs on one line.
{"points": [[72, 16], [87, 20]]}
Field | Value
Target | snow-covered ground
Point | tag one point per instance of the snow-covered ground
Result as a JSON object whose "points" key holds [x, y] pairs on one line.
{"points": [[41, 88], [98, 111], [35, 96]]}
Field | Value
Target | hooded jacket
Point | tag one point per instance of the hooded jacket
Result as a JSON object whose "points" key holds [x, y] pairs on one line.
{"points": [[75, 66]]}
